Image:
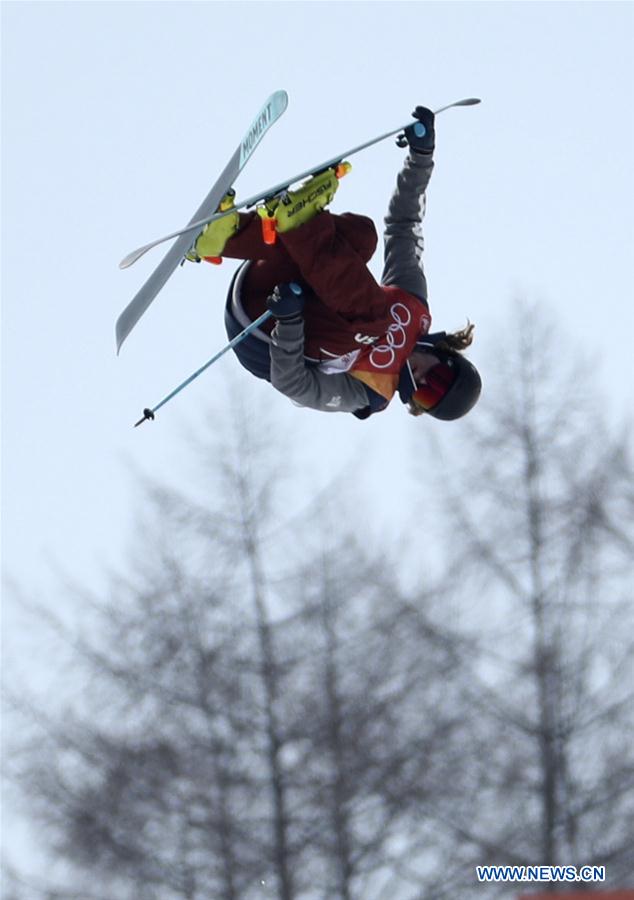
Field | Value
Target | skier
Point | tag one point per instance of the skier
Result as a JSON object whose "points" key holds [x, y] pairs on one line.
{"points": [[341, 341]]}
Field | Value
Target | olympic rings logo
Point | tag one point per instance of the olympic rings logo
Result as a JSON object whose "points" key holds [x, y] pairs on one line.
{"points": [[384, 355]]}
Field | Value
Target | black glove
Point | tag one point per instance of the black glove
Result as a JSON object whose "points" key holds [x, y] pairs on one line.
{"points": [[286, 302], [421, 135]]}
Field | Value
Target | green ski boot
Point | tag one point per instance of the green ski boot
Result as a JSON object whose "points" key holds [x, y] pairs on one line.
{"points": [[295, 208], [211, 242]]}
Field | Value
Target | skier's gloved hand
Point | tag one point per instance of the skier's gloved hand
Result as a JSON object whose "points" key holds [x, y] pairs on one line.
{"points": [[421, 135], [286, 302]]}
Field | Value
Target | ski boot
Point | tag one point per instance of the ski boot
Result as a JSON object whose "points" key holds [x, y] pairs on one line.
{"points": [[295, 208], [211, 241]]}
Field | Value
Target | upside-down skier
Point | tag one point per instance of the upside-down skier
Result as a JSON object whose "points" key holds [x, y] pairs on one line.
{"points": [[341, 342]]}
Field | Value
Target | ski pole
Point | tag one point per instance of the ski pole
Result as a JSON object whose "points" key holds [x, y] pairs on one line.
{"points": [[149, 413]]}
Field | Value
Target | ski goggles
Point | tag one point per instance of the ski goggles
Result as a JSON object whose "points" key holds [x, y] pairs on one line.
{"points": [[437, 382]]}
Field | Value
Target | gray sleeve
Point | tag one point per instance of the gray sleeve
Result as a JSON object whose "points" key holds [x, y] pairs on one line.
{"points": [[305, 385], [403, 252]]}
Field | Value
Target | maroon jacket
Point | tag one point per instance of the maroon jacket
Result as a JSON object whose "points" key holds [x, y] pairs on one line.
{"points": [[330, 255]]}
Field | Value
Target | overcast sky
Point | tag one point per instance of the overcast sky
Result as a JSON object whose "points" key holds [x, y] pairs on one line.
{"points": [[117, 118]]}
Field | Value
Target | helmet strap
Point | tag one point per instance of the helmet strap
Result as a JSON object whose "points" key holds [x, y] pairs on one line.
{"points": [[406, 383]]}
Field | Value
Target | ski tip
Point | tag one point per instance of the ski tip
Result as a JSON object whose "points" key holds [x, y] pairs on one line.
{"points": [[120, 335], [131, 258], [280, 99], [468, 101]]}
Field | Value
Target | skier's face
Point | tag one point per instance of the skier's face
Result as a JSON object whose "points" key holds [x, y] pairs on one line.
{"points": [[433, 379], [420, 364]]}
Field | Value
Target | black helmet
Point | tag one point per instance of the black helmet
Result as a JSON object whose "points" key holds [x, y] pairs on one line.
{"points": [[452, 387]]}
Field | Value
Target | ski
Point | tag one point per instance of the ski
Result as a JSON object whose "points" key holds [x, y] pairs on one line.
{"points": [[192, 226], [267, 116]]}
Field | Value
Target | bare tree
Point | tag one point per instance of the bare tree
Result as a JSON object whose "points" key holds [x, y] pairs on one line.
{"points": [[539, 507], [168, 774], [269, 710], [377, 716], [239, 732]]}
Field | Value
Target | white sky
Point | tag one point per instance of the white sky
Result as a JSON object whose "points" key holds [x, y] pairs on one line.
{"points": [[117, 117]]}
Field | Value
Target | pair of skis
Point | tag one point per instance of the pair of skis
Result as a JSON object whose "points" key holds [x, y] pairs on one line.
{"points": [[266, 117], [207, 212]]}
